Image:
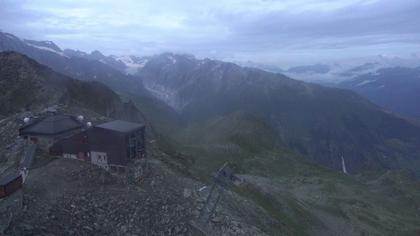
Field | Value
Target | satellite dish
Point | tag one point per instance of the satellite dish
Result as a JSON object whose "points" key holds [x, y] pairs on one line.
{"points": [[89, 124], [80, 117], [26, 119]]}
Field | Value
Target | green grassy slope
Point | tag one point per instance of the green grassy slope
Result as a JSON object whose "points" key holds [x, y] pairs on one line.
{"points": [[320, 123], [306, 198]]}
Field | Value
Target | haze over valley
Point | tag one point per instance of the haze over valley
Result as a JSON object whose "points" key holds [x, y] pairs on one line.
{"points": [[236, 118]]}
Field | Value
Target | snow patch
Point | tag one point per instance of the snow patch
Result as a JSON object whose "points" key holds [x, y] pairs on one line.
{"points": [[365, 82], [12, 37], [132, 65], [167, 95], [47, 49], [173, 60], [143, 63], [343, 165]]}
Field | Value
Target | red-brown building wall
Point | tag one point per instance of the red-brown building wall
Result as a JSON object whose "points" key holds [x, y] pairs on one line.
{"points": [[11, 187], [2, 192]]}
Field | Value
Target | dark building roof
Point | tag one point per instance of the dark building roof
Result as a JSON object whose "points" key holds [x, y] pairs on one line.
{"points": [[4, 180], [51, 125], [121, 126]]}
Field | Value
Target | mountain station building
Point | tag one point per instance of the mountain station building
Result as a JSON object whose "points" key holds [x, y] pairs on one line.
{"points": [[47, 130], [111, 144]]}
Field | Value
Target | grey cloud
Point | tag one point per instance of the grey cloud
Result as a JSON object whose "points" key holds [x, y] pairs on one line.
{"points": [[270, 31], [382, 19]]}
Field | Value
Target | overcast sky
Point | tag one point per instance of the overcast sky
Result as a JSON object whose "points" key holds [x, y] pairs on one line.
{"points": [[283, 32]]}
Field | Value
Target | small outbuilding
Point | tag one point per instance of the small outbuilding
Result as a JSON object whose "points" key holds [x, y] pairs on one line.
{"points": [[116, 143]]}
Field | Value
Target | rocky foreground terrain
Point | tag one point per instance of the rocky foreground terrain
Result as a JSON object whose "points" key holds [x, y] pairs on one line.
{"points": [[69, 197], [76, 198]]}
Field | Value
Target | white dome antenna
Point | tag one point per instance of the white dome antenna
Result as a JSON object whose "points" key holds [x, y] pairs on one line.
{"points": [[80, 118], [26, 120], [89, 124]]}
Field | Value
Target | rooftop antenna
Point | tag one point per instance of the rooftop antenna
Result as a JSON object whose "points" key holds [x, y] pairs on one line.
{"points": [[26, 120], [80, 118], [89, 124]]}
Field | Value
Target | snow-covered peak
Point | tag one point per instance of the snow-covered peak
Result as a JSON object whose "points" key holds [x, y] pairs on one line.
{"points": [[351, 68], [133, 63], [10, 36], [47, 49], [43, 44], [364, 82], [48, 42], [172, 59], [97, 53], [74, 53]]}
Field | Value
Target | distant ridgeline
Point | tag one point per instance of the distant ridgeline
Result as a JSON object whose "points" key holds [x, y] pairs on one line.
{"points": [[396, 89]]}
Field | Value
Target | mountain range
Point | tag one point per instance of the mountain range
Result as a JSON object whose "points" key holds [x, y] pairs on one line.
{"points": [[29, 86], [396, 89], [322, 124], [392, 83], [336, 72], [72, 63], [286, 139]]}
